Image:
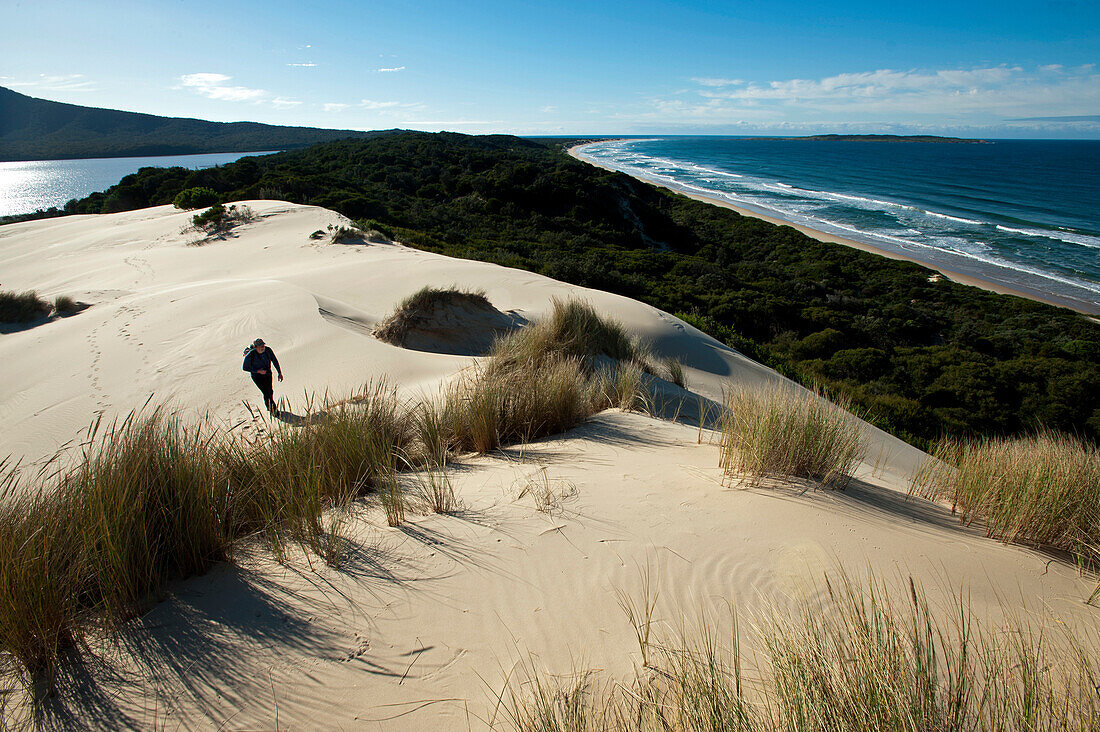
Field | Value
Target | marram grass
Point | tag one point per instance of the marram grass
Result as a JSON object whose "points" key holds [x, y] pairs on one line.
{"points": [[864, 659], [779, 431], [1042, 489]]}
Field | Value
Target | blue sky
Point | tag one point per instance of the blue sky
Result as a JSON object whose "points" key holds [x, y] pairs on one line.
{"points": [[571, 67]]}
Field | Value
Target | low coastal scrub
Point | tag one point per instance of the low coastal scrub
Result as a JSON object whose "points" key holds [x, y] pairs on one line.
{"points": [[417, 308], [23, 307], [862, 660], [153, 499], [1043, 489], [197, 197], [783, 431]]}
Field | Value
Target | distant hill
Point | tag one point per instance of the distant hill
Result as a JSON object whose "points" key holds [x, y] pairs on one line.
{"points": [[880, 138], [38, 129]]}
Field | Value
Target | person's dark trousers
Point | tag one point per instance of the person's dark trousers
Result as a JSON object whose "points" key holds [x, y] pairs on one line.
{"points": [[264, 382]]}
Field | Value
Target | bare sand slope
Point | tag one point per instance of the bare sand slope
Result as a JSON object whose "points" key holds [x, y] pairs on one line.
{"points": [[425, 622]]}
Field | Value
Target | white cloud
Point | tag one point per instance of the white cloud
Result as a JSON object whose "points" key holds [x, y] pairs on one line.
{"points": [[959, 94], [284, 103], [302, 66], [335, 107], [391, 107], [63, 82], [395, 68], [548, 109], [706, 81], [214, 86]]}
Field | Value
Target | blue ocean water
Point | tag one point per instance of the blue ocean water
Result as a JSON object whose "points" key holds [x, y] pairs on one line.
{"points": [[1021, 213], [29, 185]]}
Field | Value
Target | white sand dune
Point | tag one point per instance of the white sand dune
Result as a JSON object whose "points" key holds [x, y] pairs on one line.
{"points": [[425, 623]]}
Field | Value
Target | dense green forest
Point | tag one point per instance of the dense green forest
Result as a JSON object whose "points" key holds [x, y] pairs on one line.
{"points": [[38, 129], [923, 357]]}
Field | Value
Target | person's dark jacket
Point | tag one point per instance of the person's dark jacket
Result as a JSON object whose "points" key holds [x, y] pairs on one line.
{"points": [[255, 361]]}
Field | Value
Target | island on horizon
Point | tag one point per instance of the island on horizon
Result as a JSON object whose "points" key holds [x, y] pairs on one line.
{"points": [[881, 138]]}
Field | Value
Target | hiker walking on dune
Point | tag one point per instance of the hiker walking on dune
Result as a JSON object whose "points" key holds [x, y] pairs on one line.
{"points": [[258, 360]]}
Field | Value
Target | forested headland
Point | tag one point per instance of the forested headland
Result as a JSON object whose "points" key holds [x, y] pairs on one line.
{"points": [[40, 129], [925, 357]]}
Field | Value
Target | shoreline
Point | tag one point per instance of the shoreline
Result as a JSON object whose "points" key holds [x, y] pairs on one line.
{"points": [[955, 276]]}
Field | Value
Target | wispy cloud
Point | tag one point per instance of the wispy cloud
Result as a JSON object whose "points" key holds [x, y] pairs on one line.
{"points": [[302, 66], [48, 82], [389, 70], [215, 86], [392, 107], [994, 91], [335, 106], [706, 81]]}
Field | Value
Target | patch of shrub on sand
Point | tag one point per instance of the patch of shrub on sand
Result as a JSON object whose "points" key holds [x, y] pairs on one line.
{"points": [[418, 309], [1042, 489], [197, 197], [779, 431], [23, 307], [863, 659], [345, 234], [219, 219]]}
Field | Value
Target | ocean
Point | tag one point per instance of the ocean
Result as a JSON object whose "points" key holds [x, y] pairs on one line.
{"points": [[1021, 213], [29, 185]]}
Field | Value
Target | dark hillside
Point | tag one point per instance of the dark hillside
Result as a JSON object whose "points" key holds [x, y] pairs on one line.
{"points": [[925, 358], [38, 129]]}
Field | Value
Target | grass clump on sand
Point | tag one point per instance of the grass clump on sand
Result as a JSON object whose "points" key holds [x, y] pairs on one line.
{"points": [[785, 432], [544, 379], [23, 307], [491, 406], [64, 305], [573, 329], [417, 309], [864, 660], [1042, 489]]}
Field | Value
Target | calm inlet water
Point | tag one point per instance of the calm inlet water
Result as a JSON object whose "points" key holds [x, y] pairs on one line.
{"points": [[26, 186], [1022, 213]]}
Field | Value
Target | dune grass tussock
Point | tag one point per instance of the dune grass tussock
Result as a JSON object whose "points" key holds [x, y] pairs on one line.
{"points": [[1043, 489], [572, 329], [675, 371], [22, 307], [779, 431], [867, 660], [418, 307], [489, 407], [65, 305], [546, 378]]}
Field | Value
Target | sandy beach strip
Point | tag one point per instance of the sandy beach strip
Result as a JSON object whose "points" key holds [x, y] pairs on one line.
{"points": [[961, 278]]}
